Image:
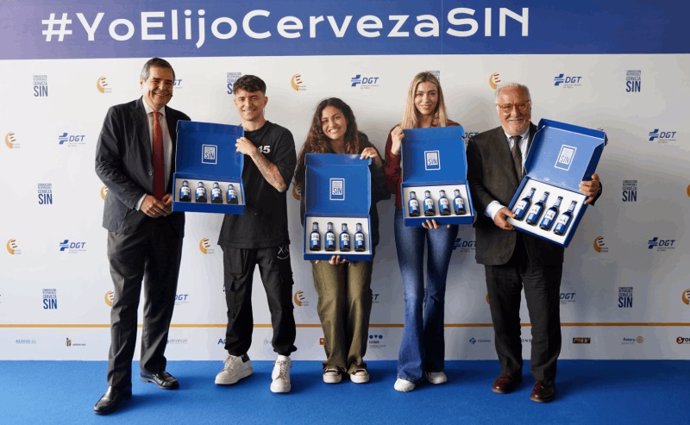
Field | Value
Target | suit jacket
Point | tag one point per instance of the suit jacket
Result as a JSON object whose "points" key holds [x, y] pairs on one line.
{"points": [[492, 177], [123, 163]]}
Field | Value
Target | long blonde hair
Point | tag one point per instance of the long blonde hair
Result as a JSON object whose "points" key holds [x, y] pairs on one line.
{"points": [[411, 118]]}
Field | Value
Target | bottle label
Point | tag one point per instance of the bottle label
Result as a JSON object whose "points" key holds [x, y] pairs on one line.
{"points": [[549, 216], [443, 202]]}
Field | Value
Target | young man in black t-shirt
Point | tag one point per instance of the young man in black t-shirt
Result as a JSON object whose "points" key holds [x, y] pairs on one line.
{"points": [[259, 237]]}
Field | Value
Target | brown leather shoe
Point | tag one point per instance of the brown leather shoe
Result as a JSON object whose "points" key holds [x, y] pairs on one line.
{"points": [[543, 392], [505, 384]]}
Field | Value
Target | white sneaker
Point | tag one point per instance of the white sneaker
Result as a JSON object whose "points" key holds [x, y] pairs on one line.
{"points": [[360, 376], [436, 377], [281, 375], [235, 368], [332, 376], [403, 385]]}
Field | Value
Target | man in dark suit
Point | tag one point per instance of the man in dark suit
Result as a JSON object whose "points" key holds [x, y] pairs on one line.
{"points": [[515, 260], [135, 160]]}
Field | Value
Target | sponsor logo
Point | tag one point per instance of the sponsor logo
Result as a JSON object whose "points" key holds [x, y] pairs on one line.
{"points": [[633, 81], [376, 298], [364, 81], [11, 141], [109, 298], [625, 297], [631, 341], [299, 299], [682, 340], [432, 160], [181, 299], [231, 78], [474, 340], [687, 190], [13, 247], [565, 157], [662, 136], [494, 80], [567, 297], [567, 81], [70, 343], [50, 300], [600, 245], [661, 245], [25, 341], [72, 247], [178, 341], [464, 245], [377, 341], [582, 340], [685, 296], [629, 191], [526, 339], [67, 139], [296, 83], [209, 154], [103, 192], [221, 341], [205, 246], [40, 86], [102, 85], [177, 84], [337, 189], [44, 192]]}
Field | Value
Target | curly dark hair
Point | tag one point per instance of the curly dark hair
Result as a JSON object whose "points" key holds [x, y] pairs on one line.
{"points": [[317, 142]]}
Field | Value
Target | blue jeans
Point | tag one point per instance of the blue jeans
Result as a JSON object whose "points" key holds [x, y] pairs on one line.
{"points": [[422, 348]]}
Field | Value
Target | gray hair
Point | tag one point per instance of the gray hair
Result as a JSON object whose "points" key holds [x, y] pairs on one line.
{"points": [[512, 86], [155, 62]]}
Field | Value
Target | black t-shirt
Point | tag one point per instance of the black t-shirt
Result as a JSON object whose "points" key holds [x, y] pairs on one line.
{"points": [[264, 222]]}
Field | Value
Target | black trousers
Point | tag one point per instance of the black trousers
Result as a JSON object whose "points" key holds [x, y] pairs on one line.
{"points": [[542, 285], [152, 255], [276, 275]]}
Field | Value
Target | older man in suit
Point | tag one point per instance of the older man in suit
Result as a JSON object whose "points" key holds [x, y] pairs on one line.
{"points": [[513, 260], [135, 160]]}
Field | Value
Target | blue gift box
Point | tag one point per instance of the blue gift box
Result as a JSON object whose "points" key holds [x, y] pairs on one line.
{"points": [[338, 191], [561, 156], [206, 154], [434, 159]]}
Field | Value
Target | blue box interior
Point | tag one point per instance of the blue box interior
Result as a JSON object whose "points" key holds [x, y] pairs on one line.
{"points": [[435, 156], [337, 186], [562, 155], [206, 151]]}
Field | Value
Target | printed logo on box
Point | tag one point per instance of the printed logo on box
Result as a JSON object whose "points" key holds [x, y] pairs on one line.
{"points": [[337, 189], [565, 157], [432, 160], [209, 154]]}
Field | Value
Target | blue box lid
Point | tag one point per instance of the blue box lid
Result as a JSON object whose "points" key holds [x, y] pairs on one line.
{"points": [[434, 155], [564, 154], [207, 150], [337, 184]]}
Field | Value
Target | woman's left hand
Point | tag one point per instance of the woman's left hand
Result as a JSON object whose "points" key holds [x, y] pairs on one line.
{"points": [[371, 153]]}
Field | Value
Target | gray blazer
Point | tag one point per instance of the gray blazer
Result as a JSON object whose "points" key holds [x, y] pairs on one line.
{"points": [[123, 163]]}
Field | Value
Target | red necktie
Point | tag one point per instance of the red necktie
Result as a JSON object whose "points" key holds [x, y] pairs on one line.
{"points": [[157, 159]]}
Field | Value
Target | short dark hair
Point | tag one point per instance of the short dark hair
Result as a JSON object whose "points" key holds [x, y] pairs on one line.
{"points": [[155, 62], [250, 83]]}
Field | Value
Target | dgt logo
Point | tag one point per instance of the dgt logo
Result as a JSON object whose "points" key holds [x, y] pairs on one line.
{"points": [[567, 297], [663, 136], [71, 139], [661, 244], [364, 82], [72, 247], [567, 81]]}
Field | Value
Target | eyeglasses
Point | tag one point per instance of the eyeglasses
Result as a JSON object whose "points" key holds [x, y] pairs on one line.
{"points": [[507, 107]]}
